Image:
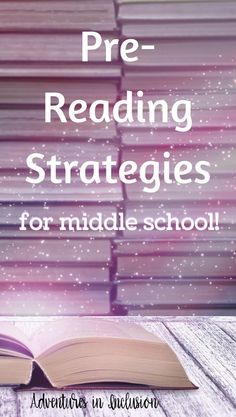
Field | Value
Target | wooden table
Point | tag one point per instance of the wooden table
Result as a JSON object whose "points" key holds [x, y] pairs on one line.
{"points": [[207, 349]]}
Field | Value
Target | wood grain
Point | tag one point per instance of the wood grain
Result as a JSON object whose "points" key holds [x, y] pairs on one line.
{"points": [[216, 355], [211, 399], [207, 401], [229, 328]]}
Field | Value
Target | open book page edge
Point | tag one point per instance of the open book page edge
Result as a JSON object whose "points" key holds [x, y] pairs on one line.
{"points": [[8, 329], [62, 330], [40, 382], [123, 328]]}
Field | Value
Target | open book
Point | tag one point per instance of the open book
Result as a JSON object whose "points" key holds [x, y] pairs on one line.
{"points": [[81, 351]]}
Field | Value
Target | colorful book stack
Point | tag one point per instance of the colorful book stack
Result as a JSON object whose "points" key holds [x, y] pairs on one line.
{"points": [[53, 272], [66, 272], [173, 271]]}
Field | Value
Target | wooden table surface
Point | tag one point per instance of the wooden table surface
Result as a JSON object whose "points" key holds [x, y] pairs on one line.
{"points": [[207, 349]]}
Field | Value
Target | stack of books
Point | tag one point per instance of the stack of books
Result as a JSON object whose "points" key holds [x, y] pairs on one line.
{"points": [[54, 272], [80, 271], [55, 277], [44, 38], [178, 271], [176, 18], [175, 277]]}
